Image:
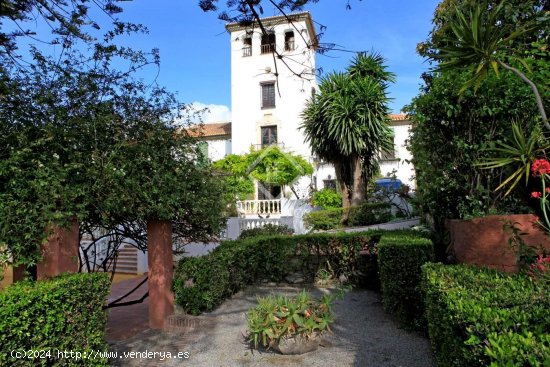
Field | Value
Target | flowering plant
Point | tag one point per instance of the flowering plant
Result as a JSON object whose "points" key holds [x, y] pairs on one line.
{"points": [[541, 168], [540, 269]]}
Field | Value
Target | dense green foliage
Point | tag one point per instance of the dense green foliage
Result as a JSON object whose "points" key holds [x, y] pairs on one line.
{"points": [[62, 314], [456, 129], [327, 199], [240, 263], [267, 230], [481, 317], [269, 165], [233, 167], [400, 258], [366, 214], [81, 138], [295, 316]]}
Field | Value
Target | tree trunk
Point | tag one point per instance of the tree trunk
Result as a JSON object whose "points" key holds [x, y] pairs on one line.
{"points": [[358, 191], [345, 192]]}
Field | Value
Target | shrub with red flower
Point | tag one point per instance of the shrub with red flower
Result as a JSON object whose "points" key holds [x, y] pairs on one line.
{"points": [[540, 167], [540, 269]]}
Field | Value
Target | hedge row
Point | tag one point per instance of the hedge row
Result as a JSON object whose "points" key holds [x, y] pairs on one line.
{"points": [[62, 314], [400, 258], [202, 283], [482, 317], [366, 214]]}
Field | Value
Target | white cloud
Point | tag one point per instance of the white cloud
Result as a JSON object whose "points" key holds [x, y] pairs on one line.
{"points": [[213, 113]]}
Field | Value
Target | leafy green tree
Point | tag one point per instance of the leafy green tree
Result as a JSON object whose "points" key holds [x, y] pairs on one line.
{"points": [[346, 124], [269, 165], [479, 38], [81, 138], [233, 168], [272, 166]]}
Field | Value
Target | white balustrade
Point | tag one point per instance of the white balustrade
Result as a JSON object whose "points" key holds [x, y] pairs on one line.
{"points": [[262, 207], [256, 223]]}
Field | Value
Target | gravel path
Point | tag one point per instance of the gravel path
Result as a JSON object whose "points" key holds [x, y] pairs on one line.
{"points": [[363, 336]]}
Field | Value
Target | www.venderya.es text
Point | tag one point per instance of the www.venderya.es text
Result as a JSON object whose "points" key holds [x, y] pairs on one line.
{"points": [[94, 354]]}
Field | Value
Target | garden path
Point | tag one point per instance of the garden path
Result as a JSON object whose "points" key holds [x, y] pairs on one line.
{"points": [[363, 335]]}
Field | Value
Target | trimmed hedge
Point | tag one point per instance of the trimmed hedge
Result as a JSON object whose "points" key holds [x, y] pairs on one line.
{"points": [[364, 215], [482, 317], [267, 230], [62, 314], [202, 283], [400, 258]]}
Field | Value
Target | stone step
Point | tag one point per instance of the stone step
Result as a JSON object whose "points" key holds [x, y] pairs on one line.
{"points": [[127, 251], [181, 323]]}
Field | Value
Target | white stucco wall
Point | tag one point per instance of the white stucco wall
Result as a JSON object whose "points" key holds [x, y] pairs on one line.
{"points": [[218, 148], [322, 173], [404, 170]]}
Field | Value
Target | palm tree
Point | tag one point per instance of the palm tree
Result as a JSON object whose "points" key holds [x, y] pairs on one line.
{"points": [[346, 124]]}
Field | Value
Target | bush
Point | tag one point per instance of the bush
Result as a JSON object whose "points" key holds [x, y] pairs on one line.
{"points": [[370, 213], [400, 258], [364, 215], [327, 199], [482, 317], [267, 230], [62, 314], [237, 264], [323, 219]]}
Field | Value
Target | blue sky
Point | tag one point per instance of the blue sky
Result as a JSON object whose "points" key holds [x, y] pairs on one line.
{"points": [[195, 54]]}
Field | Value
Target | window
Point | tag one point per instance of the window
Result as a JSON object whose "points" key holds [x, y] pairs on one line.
{"points": [[202, 154], [329, 184], [268, 43], [289, 41], [389, 155], [269, 135], [247, 46], [268, 95]]}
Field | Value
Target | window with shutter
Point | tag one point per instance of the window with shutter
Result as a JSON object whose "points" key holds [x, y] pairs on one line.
{"points": [[268, 95]]}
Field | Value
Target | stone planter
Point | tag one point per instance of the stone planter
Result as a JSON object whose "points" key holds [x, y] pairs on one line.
{"points": [[482, 241], [297, 344]]}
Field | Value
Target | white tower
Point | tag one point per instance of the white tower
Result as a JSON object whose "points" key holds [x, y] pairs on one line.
{"points": [[272, 77]]}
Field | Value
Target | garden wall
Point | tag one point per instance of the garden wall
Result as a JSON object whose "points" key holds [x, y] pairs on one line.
{"points": [[482, 241]]}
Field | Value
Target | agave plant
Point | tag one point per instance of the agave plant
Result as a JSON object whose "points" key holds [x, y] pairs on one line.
{"points": [[479, 39], [277, 317], [516, 152]]}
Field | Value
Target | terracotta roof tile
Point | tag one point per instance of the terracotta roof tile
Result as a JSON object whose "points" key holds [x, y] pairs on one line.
{"points": [[398, 116], [211, 129], [224, 128]]}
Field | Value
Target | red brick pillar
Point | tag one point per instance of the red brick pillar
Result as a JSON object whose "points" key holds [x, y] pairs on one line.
{"points": [[161, 270], [60, 253]]}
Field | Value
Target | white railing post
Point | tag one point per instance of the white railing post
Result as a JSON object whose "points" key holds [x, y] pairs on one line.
{"points": [[262, 207]]}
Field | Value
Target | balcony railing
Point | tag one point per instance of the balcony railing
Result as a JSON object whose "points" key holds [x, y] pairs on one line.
{"points": [[267, 48], [247, 51], [289, 46], [257, 223], [262, 207]]}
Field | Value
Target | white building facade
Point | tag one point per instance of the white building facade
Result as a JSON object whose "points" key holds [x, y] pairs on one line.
{"points": [[272, 78]]}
